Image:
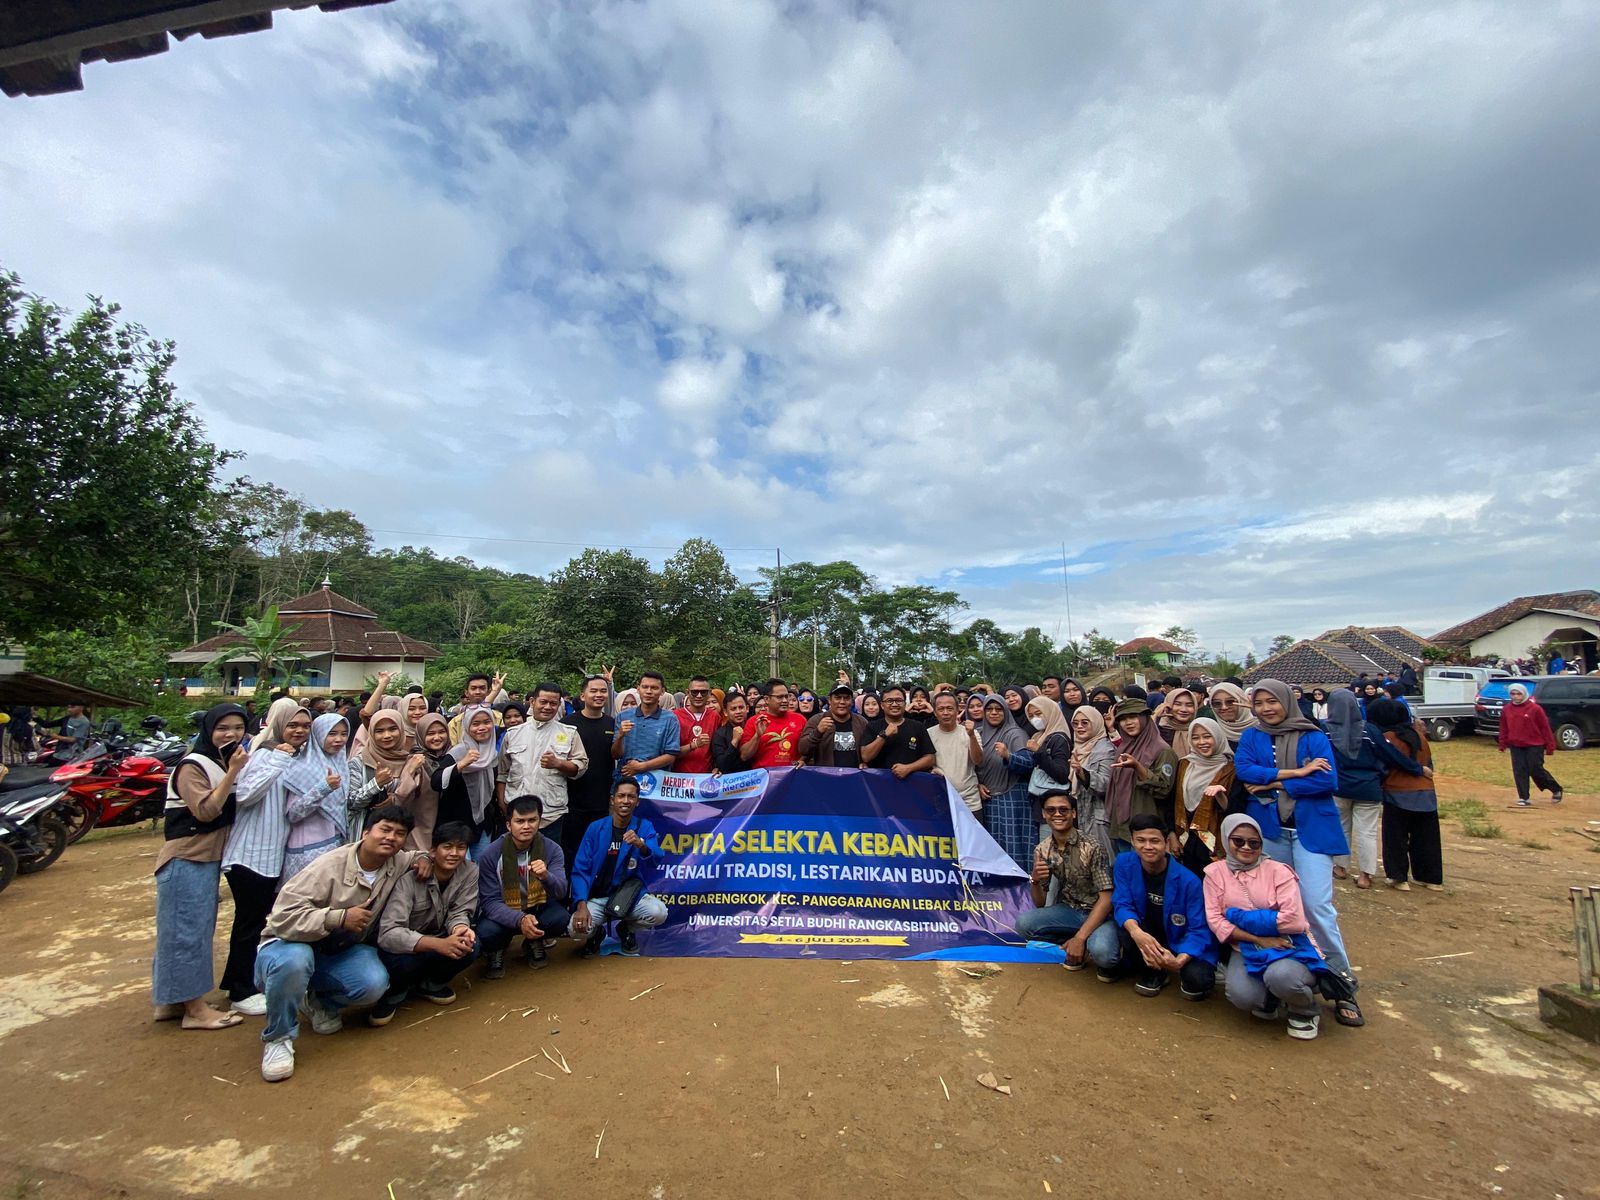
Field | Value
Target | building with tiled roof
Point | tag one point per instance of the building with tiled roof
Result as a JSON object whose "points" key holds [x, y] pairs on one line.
{"points": [[1309, 664], [1166, 653], [1533, 626], [341, 645], [1391, 647]]}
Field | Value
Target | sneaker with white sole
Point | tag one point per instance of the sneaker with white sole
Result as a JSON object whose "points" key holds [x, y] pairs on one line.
{"points": [[1303, 1026], [251, 1006], [277, 1060], [1151, 983], [1270, 1010], [324, 1020]]}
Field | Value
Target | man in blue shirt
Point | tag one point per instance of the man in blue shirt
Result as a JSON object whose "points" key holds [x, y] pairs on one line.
{"points": [[1160, 912], [647, 736]]}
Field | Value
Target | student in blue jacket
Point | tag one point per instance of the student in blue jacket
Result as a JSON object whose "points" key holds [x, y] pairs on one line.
{"points": [[1286, 763], [608, 867], [1159, 907]]}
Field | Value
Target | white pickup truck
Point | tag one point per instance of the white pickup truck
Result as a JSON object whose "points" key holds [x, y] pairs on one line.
{"points": [[1448, 697]]}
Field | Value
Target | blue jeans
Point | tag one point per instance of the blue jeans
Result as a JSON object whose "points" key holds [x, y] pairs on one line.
{"points": [[1316, 893], [647, 913], [287, 971], [1060, 922]]}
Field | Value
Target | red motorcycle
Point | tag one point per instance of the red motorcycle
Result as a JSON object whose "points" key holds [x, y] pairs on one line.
{"points": [[120, 788]]}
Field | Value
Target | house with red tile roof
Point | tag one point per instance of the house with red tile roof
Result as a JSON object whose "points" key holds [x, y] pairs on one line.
{"points": [[1166, 653], [342, 645]]}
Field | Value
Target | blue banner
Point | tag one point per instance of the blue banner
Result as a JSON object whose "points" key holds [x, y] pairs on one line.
{"points": [[819, 862]]}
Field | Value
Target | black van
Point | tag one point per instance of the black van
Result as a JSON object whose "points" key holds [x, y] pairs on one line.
{"points": [[1572, 702]]}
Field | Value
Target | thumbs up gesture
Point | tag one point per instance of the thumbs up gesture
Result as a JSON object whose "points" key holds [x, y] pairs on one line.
{"points": [[357, 919]]}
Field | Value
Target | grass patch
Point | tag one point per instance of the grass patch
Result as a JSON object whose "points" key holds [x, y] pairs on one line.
{"points": [[1474, 757], [1530, 844], [1473, 817]]}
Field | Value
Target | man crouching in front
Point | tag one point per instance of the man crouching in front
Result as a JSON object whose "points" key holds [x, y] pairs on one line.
{"points": [[315, 952]]}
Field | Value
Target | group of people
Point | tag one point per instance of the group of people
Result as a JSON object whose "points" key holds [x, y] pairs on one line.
{"points": [[374, 853]]}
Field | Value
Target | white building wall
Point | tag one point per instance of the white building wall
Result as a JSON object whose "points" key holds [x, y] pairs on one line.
{"points": [[1514, 640], [351, 676]]}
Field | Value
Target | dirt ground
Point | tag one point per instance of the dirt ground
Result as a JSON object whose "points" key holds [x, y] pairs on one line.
{"points": [[792, 1078]]}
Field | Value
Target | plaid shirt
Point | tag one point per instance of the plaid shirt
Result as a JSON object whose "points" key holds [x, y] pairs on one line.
{"points": [[1081, 872]]}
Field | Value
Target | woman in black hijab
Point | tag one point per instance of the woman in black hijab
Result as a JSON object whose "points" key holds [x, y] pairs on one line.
{"points": [[199, 810]]}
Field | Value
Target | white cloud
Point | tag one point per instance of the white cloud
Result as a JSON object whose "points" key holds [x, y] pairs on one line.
{"points": [[1279, 318]]}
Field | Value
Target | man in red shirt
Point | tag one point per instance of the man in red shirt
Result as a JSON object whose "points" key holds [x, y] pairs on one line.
{"points": [[697, 721], [772, 738]]}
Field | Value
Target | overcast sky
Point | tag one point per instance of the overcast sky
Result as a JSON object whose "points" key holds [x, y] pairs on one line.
{"points": [[1281, 317]]}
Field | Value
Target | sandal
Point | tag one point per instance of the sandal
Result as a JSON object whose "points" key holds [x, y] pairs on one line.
{"points": [[167, 1012], [1348, 1012], [1340, 873], [225, 1020], [1364, 882]]}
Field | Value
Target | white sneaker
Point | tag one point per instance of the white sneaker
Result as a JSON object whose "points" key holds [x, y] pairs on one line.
{"points": [[324, 1020], [277, 1060], [251, 1006], [1303, 1027]]}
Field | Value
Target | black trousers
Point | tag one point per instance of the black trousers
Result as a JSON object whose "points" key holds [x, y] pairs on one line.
{"points": [[1411, 845], [1527, 762], [408, 970], [252, 904], [552, 916], [1197, 975]]}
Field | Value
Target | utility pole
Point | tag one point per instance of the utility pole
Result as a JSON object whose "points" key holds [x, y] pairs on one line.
{"points": [[777, 592], [1067, 589]]}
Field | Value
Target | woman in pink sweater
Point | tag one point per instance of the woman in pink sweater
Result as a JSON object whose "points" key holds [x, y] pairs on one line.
{"points": [[1253, 906]]}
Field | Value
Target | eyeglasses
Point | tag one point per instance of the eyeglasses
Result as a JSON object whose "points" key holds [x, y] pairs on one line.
{"points": [[699, 691], [1239, 843], [1058, 812]]}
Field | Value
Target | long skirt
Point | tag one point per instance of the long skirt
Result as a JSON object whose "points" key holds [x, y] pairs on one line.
{"points": [[1010, 821], [186, 922]]}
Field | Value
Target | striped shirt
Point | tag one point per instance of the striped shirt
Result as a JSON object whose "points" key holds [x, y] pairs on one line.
{"points": [[261, 825]]}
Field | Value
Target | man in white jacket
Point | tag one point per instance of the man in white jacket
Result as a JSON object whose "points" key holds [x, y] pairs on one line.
{"points": [[540, 755]]}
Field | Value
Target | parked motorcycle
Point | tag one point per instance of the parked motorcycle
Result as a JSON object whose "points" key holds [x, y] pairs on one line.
{"points": [[32, 826], [119, 788]]}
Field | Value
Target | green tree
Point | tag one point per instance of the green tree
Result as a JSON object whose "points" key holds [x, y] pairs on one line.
{"points": [[1182, 637], [1281, 643], [125, 661], [906, 631], [1097, 650], [600, 608], [710, 622], [105, 475], [822, 600], [267, 642]]}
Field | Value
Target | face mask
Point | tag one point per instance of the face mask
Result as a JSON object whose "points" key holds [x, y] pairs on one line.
{"points": [[1036, 722]]}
